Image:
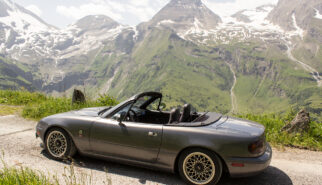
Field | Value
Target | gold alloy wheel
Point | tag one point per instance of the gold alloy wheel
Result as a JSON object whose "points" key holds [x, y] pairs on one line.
{"points": [[199, 168], [56, 144]]}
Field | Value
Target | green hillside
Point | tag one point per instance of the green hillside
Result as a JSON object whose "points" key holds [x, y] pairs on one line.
{"points": [[267, 80], [14, 75]]}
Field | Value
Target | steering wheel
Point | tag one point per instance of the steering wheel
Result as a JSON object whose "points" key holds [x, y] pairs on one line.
{"points": [[132, 116]]}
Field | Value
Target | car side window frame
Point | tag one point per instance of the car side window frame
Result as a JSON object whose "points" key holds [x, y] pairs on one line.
{"points": [[158, 107], [109, 116]]}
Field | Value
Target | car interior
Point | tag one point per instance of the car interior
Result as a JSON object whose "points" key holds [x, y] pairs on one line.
{"points": [[147, 110]]}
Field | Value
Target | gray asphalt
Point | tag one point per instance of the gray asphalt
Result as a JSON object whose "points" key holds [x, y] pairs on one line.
{"points": [[21, 148]]}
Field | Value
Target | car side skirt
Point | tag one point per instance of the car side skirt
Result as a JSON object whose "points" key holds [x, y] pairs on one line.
{"points": [[153, 166]]}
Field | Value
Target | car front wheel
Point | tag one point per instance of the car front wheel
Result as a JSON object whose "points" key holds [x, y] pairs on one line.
{"points": [[200, 166], [59, 145]]}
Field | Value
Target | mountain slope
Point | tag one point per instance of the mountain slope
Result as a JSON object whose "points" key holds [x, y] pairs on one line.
{"points": [[267, 78], [58, 55], [249, 62], [13, 76]]}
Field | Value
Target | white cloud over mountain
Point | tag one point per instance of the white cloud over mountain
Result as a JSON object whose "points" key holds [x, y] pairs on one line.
{"points": [[77, 12], [126, 11], [226, 8], [35, 9]]}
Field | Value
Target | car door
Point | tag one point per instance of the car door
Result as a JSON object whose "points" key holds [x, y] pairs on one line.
{"points": [[128, 140]]}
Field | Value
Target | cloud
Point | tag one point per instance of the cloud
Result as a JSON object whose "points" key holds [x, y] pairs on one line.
{"points": [[34, 9], [122, 11], [143, 3], [83, 10], [226, 8]]}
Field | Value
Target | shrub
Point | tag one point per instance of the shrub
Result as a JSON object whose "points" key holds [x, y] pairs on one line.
{"points": [[105, 100]]}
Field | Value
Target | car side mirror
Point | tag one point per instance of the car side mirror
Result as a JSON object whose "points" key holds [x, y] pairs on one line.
{"points": [[120, 116], [162, 106]]}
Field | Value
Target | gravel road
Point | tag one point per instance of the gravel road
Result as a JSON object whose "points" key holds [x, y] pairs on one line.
{"points": [[21, 148]]}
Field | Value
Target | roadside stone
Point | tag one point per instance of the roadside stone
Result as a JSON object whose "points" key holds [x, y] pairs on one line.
{"points": [[300, 124], [78, 96]]}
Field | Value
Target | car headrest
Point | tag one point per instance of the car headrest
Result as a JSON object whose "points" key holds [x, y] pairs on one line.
{"points": [[174, 115], [185, 117]]}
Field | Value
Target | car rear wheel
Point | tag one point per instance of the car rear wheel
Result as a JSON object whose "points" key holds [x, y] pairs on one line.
{"points": [[200, 166], [59, 145]]}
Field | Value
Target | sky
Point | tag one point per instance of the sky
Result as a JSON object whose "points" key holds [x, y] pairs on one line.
{"points": [[61, 13]]}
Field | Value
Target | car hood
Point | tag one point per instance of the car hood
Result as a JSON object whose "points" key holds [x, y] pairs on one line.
{"points": [[92, 112], [240, 127]]}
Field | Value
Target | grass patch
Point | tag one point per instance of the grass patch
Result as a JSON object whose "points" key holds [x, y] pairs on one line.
{"points": [[274, 123], [37, 105], [9, 110], [13, 176], [12, 97], [23, 175]]}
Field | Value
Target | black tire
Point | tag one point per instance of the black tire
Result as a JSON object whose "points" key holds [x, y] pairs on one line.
{"points": [[190, 172], [58, 149]]}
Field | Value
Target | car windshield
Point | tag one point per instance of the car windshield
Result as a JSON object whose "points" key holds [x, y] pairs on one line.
{"points": [[104, 110], [114, 108], [141, 101]]}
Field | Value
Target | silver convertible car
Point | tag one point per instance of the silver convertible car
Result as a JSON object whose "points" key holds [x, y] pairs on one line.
{"points": [[198, 146]]}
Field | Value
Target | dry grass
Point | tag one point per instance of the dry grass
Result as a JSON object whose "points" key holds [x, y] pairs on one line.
{"points": [[10, 110]]}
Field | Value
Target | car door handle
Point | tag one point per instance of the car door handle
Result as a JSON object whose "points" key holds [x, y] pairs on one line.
{"points": [[152, 134]]}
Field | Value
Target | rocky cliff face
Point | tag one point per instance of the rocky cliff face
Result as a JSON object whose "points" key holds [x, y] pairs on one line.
{"points": [[294, 14]]}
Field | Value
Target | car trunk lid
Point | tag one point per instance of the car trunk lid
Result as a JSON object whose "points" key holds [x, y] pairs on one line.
{"points": [[244, 127]]}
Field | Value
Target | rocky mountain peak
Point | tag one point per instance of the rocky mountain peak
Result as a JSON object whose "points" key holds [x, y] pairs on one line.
{"points": [[181, 15], [96, 22], [4, 7], [186, 2]]}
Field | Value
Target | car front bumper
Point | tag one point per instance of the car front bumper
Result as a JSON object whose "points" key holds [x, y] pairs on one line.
{"points": [[249, 166]]}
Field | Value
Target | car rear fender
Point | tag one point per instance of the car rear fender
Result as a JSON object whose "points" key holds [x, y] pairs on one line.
{"points": [[177, 139], [225, 168]]}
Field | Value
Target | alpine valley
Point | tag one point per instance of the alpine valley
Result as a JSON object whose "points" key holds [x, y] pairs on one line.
{"points": [[263, 60]]}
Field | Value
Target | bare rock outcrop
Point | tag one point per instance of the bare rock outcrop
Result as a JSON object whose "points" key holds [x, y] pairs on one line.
{"points": [[299, 124], [78, 96]]}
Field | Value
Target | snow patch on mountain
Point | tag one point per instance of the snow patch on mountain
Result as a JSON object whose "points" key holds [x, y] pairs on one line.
{"points": [[243, 25], [7, 33], [23, 22], [196, 28], [136, 32], [299, 31], [317, 14], [197, 24], [89, 41], [165, 22]]}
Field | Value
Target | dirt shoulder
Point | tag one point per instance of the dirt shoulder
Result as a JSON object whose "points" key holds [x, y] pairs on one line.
{"points": [[21, 148]]}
